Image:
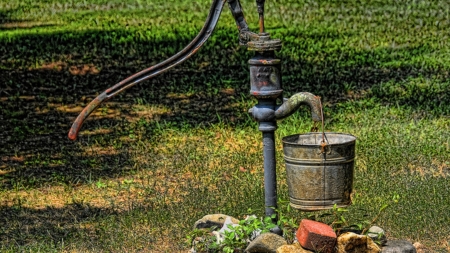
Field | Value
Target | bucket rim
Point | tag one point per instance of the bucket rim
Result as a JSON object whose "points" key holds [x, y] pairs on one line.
{"points": [[284, 139]]}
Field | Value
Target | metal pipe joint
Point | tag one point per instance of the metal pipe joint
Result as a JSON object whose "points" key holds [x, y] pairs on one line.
{"points": [[265, 111], [294, 102]]}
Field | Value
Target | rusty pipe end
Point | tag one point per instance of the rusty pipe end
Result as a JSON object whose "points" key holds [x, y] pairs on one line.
{"points": [[73, 132], [76, 125]]}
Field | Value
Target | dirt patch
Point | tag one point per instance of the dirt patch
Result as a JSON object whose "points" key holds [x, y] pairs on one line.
{"points": [[436, 169], [83, 70], [24, 24], [52, 66]]}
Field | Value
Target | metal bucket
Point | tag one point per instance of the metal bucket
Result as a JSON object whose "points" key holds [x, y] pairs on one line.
{"points": [[319, 176]]}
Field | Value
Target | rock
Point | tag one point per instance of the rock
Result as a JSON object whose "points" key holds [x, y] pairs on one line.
{"points": [[372, 246], [293, 248], [316, 236], [398, 246], [226, 225], [220, 235], [266, 243], [212, 220], [377, 234], [353, 243], [345, 230]]}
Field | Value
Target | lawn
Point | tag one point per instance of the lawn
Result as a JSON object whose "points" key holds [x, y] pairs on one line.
{"points": [[151, 161]]}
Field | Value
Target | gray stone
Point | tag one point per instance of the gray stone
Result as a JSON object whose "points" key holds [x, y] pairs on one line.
{"points": [[266, 243], [398, 246], [377, 234], [213, 220]]}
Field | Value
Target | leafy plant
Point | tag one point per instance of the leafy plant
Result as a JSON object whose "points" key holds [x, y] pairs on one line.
{"points": [[100, 184], [235, 237], [339, 222], [287, 224], [202, 240]]}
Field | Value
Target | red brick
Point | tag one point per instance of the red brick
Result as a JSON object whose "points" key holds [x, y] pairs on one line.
{"points": [[316, 236]]}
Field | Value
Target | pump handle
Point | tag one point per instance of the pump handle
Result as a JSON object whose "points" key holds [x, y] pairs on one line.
{"points": [[183, 55]]}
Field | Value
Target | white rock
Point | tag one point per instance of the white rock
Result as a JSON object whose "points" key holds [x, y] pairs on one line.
{"points": [[377, 234]]}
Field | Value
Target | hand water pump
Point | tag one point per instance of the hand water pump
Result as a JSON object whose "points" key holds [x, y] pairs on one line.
{"points": [[266, 87]]}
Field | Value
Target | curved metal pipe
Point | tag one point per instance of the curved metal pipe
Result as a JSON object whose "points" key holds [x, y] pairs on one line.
{"points": [[183, 55], [295, 101]]}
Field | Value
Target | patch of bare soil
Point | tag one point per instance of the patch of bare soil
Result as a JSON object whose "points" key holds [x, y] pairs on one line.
{"points": [[24, 24]]}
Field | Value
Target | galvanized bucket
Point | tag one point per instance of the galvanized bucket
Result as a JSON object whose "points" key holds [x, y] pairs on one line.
{"points": [[319, 174]]}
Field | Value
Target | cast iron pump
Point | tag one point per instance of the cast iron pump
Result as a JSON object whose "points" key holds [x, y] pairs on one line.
{"points": [[265, 86]]}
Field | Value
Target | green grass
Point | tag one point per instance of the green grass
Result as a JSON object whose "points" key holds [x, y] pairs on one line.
{"points": [[163, 154]]}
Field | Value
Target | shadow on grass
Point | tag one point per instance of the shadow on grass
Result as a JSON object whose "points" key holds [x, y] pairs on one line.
{"points": [[22, 226], [79, 227], [148, 225], [39, 102], [9, 23], [5, 16], [35, 150]]}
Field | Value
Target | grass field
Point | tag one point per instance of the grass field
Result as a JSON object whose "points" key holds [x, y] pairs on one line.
{"points": [[153, 160]]}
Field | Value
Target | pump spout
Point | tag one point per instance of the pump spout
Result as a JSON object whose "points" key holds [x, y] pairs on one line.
{"points": [[292, 104]]}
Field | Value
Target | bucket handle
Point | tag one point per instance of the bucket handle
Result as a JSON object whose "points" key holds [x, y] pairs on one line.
{"points": [[325, 148], [324, 144]]}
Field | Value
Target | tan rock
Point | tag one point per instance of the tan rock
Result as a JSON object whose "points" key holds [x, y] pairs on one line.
{"points": [[292, 248], [266, 243], [372, 246], [354, 243], [212, 220], [420, 248]]}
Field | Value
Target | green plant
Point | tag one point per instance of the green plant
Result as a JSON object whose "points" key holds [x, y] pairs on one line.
{"points": [[394, 200], [237, 237], [202, 240], [288, 224], [100, 184], [339, 222], [232, 239]]}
